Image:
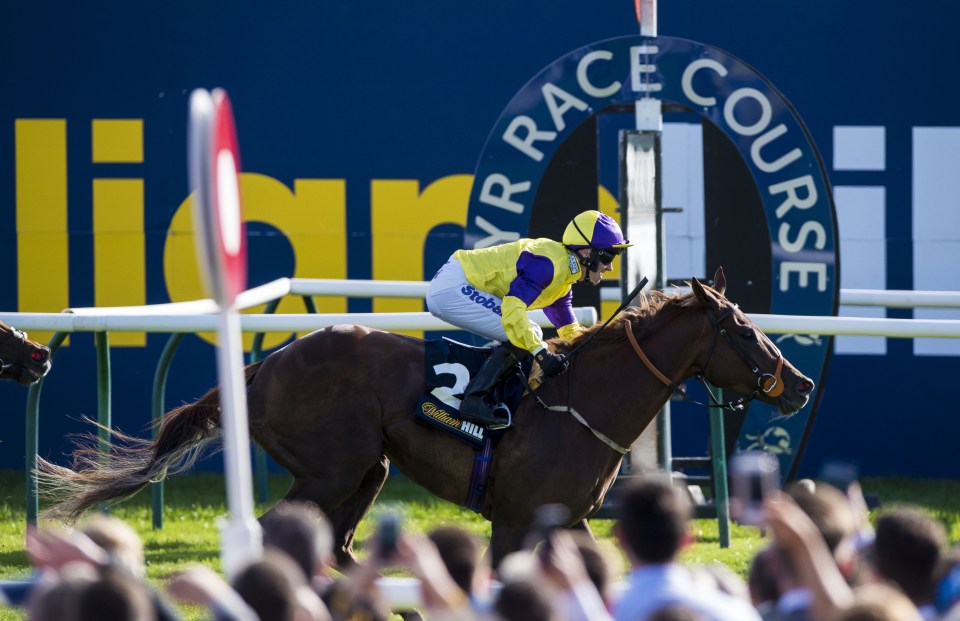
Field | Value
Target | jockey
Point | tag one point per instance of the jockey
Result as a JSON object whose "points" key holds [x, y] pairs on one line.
{"points": [[488, 291]]}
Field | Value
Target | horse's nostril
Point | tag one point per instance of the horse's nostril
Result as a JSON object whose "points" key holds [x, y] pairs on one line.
{"points": [[38, 356], [805, 387]]}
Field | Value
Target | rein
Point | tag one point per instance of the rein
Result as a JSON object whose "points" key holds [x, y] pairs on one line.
{"points": [[572, 357]]}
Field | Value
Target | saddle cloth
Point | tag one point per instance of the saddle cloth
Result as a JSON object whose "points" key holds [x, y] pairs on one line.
{"points": [[449, 366]]}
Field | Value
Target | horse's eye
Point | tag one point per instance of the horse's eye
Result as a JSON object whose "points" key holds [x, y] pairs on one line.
{"points": [[749, 335]]}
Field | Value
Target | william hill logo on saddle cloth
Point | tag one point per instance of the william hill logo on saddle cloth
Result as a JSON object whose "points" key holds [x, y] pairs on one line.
{"points": [[437, 415], [448, 368]]}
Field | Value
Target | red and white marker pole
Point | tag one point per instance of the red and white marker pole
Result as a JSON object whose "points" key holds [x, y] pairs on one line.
{"points": [[214, 161]]}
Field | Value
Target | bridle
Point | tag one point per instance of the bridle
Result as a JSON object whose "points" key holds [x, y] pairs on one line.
{"points": [[770, 384], [15, 368]]}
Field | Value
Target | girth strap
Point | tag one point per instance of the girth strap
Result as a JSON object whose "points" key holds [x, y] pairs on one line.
{"points": [[479, 477]]}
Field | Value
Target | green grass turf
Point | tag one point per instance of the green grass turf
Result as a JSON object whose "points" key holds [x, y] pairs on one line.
{"points": [[195, 503]]}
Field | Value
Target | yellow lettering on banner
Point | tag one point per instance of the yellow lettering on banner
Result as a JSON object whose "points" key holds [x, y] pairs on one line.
{"points": [[118, 141], [42, 239], [317, 230], [401, 219], [312, 218], [119, 265], [118, 250]]}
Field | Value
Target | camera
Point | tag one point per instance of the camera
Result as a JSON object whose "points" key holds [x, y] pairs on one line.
{"points": [[388, 532], [753, 475], [547, 519], [839, 473]]}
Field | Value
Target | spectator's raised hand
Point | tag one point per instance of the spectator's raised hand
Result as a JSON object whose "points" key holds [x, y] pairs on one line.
{"points": [[438, 590], [563, 567], [561, 562], [861, 514], [798, 538], [792, 529], [52, 549], [197, 584]]}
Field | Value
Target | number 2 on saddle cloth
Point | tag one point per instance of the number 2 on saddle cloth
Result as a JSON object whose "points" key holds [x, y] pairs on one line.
{"points": [[449, 367]]}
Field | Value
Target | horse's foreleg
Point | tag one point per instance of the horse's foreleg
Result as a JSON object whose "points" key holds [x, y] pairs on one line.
{"points": [[344, 518], [503, 541]]}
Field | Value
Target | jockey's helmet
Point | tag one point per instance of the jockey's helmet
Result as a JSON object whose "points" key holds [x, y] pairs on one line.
{"points": [[593, 229]]}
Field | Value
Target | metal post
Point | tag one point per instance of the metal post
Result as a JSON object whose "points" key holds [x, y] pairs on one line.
{"points": [[104, 412], [241, 538], [257, 347], [649, 120], [718, 456], [159, 390], [644, 203], [33, 425]]}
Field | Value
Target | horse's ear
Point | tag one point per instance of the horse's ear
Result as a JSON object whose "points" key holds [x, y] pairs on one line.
{"points": [[706, 298], [720, 281]]}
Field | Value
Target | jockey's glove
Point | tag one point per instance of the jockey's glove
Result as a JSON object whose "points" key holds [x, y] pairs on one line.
{"points": [[552, 364]]}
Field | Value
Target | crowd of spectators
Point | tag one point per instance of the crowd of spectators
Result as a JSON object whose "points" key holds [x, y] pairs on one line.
{"points": [[822, 560]]}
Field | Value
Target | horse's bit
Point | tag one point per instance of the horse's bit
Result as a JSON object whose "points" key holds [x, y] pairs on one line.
{"points": [[15, 369], [770, 384]]}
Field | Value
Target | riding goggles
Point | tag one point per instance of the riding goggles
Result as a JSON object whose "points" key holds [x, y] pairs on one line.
{"points": [[607, 255]]}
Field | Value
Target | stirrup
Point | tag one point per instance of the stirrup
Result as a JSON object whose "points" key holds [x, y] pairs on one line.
{"points": [[489, 418], [509, 417]]}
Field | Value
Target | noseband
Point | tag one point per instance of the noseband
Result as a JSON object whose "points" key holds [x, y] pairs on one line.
{"points": [[770, 384], [15, 368]]}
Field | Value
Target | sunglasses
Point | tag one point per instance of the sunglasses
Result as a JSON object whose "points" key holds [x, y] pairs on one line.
{"points": [[607, 255]]}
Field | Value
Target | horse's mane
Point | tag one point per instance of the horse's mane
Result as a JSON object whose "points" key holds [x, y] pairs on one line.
{"points": [[648, 310]]}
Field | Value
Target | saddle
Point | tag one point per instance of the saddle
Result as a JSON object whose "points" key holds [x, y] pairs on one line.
{"points": [[449, 366]]}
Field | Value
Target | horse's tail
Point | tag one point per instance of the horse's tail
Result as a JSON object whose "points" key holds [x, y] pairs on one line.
{"points": [[111, 475]]}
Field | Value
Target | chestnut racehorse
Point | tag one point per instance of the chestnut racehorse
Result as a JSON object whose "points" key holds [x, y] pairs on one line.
{"points": [[336, 407]]}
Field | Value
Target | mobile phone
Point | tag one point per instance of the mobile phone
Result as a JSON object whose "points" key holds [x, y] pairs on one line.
{"points": [[753, 476], [546, 519], [839, 473], [388, 531]]}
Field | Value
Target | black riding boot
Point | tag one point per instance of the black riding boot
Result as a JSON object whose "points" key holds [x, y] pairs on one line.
{"points": [[474, 407]]}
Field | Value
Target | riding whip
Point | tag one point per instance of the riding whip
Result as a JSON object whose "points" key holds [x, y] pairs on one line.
{"points": [[633, 294]]}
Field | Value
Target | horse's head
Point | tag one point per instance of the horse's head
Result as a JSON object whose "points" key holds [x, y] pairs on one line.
{"points": [[741, 358], [21, 359]]}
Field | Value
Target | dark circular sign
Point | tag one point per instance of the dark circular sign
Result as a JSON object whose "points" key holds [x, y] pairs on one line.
{"points": [[773, 142]]}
